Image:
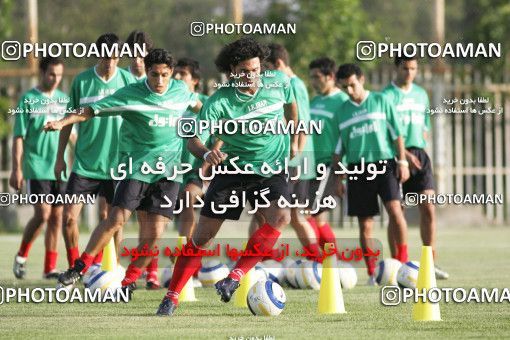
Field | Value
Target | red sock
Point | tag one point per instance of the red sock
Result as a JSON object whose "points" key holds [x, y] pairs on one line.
{"points": [[24, 249], [132, 274], [326, 235], [153, 265], [195, 274], [402, 253], [72, 255], [87, 260], [50, 261], [184, 268], [313, 248], [99, 258], [315, 228], [370, 261], [265, 238]]}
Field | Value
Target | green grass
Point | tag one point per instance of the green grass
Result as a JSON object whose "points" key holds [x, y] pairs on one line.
{"points": [[473, 257]]}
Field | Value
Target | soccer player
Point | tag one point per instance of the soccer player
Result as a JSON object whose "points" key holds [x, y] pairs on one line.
{"points": [[96, 146], [249, 96], [137, 67], [324, 107], [411, 102], [148, 140], [33, 153], [278, 59], [369, 135]]}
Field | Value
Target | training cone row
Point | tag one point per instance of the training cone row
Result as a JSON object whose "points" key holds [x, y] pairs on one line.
{"points": [[109, 262], [241, 294], [426, 311], [188, 292], [331, 300]]}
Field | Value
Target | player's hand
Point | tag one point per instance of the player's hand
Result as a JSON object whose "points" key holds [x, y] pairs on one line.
{"points": [[215, 157], [16, 180], [293, 149], [340, 188], [54, 125], [414, 162], [403, 173], [60, 167]]}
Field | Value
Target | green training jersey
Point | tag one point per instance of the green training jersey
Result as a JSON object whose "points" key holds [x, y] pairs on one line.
{"points": [[367, 130], [303, 102], [265, 105], [39, 148], [187, 156], [412, 111], [325, 109], [96, 146], [149, 128]]}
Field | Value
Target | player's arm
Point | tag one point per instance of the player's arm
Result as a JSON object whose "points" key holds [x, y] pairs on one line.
{"points": [[216, 146], [197, 107], [198, 149], [291, 114], [16, 179], [336, 158], [403, 165]]}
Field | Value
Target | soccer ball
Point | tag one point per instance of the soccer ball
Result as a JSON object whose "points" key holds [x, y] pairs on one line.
{"points": [[121, 271], [311, 272], [166, 275], [94, 269], [348, 276], [259, 273], [407, 275], [274, 271], [292, 274], [288, 263], [211, 272], [266, 298], [386, 272], [104, 280]]}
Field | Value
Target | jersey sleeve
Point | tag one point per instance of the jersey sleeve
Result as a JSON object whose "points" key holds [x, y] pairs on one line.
{"points": [[111, 105], [21, 119], [392, 123], [74, 96]]}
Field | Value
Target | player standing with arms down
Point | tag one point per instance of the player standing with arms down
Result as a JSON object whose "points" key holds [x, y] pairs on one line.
{"points": [[33, 153], [251, 97], [368, 130], [412, 103], [96, 147], [148, 138]]}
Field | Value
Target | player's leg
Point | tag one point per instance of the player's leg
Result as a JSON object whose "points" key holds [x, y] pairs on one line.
{"points": [[187, 216], [396, 217], [51, 237], [305, 233], [71, 232], [30, 233], [366, 225], [392, 243], [428, 222]]}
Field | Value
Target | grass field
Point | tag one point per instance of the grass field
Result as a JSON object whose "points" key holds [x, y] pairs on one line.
{"points": [[473, 257]]}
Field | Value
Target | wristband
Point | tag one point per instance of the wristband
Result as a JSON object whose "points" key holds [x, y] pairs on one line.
{"points": [[205, 155], [403, 163]]}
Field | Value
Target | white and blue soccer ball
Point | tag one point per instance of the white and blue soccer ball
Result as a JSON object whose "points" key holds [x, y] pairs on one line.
{"points": [[104, 280], [292, 268], [386, 272], [266, 298], [348, 276], [310, 274], [259, 273], [407, 275], [93, 269], [274, 271], [211, 272]]}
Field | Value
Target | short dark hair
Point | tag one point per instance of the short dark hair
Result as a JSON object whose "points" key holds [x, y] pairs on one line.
{"points": [[238, 51], [347, 70], [109, 39], [277, 51], [140, 38], [45, 62], [192, 65], [325, 65], [158, 56], [400, 59]]}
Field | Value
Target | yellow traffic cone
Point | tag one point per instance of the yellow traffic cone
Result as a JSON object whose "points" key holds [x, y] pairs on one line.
{"points": [[188, 292], [109, 262], [331, 300], [247, 281], [426, 311]]}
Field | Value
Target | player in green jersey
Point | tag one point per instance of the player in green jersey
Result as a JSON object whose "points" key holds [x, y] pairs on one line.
{"points": [[324, 107], [249, 95], [412, 103], [278, 59], [33, 153], [96, 147], [370, 138], [149, 151], [137, 67]]}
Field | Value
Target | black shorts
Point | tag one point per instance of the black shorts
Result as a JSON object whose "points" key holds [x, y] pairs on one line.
{"points": [[221, 188], [329, 190], [79, 185], [133, 194], [419, 180], [362, 193], [298, 189], [47, 187]]}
